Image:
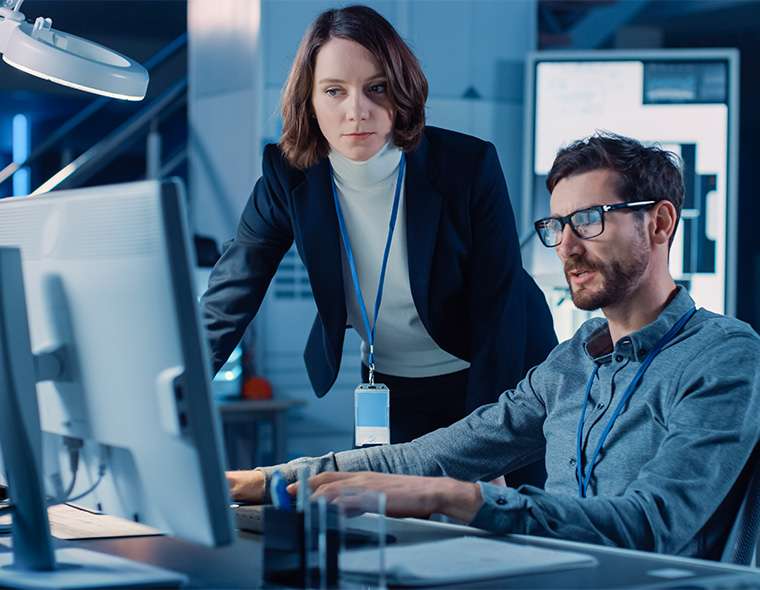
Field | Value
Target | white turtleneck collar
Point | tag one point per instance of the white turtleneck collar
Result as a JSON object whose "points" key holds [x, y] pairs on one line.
{"points": [[362, 175]]}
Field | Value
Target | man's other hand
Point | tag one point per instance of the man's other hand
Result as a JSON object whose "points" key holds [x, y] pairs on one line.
{"points": [[406, 495]]}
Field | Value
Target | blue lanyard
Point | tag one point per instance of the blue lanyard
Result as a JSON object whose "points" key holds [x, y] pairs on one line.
{"points": [[352, 264], [583, 481]]}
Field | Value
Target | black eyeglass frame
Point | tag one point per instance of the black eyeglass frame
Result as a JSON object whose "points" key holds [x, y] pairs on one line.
{"points": [[566, 219]]}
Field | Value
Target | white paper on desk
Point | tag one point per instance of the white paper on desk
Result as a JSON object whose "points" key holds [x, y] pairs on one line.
{"points": [[458, 560], [71, 523]]}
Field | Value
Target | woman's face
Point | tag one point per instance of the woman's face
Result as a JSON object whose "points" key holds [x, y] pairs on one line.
{"points": [[350, 99]]}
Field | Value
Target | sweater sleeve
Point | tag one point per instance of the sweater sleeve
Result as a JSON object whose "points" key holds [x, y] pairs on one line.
{"points": [[712, 432], [493, 439]]}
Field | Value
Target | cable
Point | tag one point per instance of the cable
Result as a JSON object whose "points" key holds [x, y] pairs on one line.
{"points": [[101, 474], [73, 445], [9, 507]]}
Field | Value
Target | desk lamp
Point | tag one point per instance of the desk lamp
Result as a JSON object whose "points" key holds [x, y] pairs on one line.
{"points": [[42, 51]]}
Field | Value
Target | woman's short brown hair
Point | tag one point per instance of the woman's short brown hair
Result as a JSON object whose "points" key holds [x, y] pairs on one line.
{"points": [[302, 141]]}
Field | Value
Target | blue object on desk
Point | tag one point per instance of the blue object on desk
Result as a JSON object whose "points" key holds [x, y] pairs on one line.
{"points": [[279, 492]]}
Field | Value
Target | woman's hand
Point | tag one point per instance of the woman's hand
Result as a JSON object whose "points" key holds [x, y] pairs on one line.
{"points": [[247, 486], [406, 495]]}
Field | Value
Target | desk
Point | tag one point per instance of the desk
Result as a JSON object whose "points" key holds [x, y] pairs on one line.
{"points": [[239, 565], [241, 418]]}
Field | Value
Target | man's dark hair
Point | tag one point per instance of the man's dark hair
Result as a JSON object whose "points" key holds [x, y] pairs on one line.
{"points": [[644, 172]]}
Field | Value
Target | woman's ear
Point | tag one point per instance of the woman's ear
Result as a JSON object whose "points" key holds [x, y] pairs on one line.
{"points": [[664, 217]]}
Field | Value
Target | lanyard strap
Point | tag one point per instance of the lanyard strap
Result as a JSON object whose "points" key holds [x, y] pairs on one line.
{"points": [[352, 263], [585, 478]]}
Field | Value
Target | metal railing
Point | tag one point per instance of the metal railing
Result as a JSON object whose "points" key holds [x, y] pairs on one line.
{"points": [[103, 152], [95, 106]]}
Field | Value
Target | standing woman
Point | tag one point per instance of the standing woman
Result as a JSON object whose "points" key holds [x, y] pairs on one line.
{"points": [[406, 232]]}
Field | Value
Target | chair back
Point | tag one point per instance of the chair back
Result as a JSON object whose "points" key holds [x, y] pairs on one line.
{"points": [[742, 542]]}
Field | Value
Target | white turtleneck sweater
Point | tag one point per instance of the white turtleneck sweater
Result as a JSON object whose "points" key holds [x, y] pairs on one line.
{"points": [[403, 346]]}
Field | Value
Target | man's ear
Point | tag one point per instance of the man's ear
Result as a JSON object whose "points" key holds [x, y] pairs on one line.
{"points": [[664, 218]]}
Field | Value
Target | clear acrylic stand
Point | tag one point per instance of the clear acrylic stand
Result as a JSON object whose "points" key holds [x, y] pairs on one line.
{"points": [[363, 529]]}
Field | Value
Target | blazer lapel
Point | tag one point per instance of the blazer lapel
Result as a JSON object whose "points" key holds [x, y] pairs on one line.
{"points": [[317, 224], [423, 212]]}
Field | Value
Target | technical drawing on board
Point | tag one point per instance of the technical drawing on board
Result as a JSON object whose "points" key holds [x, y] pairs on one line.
{"points": [[681, 100]]}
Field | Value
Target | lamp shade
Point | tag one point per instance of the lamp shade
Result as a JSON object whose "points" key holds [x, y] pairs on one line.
{"points": [[69, 60]]}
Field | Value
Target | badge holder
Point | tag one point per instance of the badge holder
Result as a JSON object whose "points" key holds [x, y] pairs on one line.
{"points": [[372, 413]]}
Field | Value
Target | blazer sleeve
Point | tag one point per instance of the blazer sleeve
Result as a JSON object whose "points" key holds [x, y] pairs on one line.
{"points": [[239, 280], [511, 328]]}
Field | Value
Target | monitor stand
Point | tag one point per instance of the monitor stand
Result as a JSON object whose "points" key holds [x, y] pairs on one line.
{"points": [[34, 563], [79, 568]]}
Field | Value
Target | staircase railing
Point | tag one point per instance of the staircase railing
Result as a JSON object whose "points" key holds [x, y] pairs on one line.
{"points": [[103, 152]]}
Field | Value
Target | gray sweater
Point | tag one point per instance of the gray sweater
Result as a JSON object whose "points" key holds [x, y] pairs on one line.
{"points": [[666, 479]]}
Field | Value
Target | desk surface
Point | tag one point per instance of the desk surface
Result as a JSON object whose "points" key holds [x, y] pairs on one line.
{"points": [[239, 565]]}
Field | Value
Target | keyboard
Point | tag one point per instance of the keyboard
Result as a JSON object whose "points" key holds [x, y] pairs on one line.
{"points": [[250, 518]]}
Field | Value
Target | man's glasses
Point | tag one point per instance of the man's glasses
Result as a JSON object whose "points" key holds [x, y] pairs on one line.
{"points": [[585, 223]]}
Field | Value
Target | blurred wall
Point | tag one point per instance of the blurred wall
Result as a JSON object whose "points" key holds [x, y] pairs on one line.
{"points": [[224, 104]]}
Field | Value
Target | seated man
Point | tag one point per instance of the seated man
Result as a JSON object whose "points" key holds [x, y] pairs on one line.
{"points": [[646, 419]]}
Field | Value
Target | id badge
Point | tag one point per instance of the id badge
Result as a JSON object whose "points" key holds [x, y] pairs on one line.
{"points": [[372, 415]]}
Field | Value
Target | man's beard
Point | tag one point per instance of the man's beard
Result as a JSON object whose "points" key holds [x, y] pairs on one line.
{"points": [[618, 278]]}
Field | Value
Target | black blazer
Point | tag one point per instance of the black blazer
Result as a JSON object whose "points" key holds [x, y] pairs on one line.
{"points": [[465, 269]]}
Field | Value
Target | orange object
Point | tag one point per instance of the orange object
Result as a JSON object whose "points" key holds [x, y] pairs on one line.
{"points": [[257, 388]]}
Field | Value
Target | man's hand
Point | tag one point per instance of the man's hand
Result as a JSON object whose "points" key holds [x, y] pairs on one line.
{"points": [[406, 495], [247, 486]]}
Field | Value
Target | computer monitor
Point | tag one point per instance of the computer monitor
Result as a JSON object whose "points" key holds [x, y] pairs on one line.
{"points": [[684, 100], [119, 361]]}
